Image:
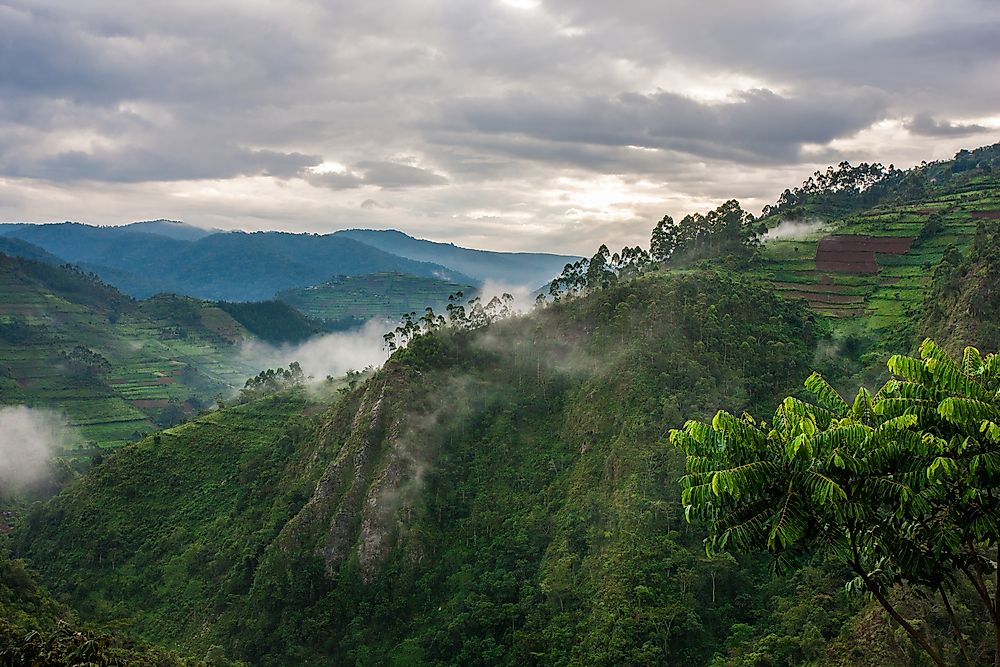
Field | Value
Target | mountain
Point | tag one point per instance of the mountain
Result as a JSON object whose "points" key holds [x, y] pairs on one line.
{"points": [[173, 229], [233, 266], [528, 269], [14, 247], [347, 301]]}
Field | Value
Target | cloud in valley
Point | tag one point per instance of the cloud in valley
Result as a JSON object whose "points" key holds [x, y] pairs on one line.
{"points": [[328, 355], [29, 439]]}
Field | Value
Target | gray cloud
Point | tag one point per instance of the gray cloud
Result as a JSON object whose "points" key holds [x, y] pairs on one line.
{"points": [[757, 126], [927, 126], [381, 174], [392, 175], [146, 164], [483, 123]]}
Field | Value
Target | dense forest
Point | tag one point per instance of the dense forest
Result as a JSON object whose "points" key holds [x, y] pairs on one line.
{"points": [[665, 461]]}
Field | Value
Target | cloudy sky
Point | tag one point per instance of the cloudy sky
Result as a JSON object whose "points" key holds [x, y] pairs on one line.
{"points": [[506, 124]]}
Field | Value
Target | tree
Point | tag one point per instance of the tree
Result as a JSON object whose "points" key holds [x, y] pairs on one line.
{"points": [[898, 486], [663, 241]]}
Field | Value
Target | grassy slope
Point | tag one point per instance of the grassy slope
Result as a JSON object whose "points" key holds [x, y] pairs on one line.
{"points": [[502, 497], [174, 523], [356, 299]]}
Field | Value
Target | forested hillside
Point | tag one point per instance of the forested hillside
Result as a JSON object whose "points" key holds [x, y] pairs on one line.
{"points": [[349, 301], [496, 495]]}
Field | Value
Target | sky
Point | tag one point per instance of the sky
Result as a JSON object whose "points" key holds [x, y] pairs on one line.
{"points": [[505, 124]]}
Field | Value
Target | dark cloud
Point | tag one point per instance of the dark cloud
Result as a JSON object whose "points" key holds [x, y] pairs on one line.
{"points": [[392, 175], [141, 164], [927, 126], [758, 126]]}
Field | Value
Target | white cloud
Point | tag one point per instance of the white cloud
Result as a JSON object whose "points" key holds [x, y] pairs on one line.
{"points": [[29, 439]]}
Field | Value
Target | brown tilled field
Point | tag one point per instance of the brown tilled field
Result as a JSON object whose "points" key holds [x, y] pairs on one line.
{"points": [[855, 253]]}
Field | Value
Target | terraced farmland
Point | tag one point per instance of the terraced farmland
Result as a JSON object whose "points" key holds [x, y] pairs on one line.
{"points": [[115, 367], [907, 242]]}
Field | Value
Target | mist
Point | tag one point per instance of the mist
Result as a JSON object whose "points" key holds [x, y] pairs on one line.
{"points": [[328, 355], [792, 229], [524, 295], [29, 439]]}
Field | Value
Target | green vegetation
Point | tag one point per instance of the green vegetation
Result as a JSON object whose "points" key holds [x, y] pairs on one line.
{"points": [[728, 230], [962, 306], [897, 486], [272, 321], [348, 301], [36, 629], [870, 317], [174, 524]]}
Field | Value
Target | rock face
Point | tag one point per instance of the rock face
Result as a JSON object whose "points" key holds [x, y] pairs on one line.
{"points": [[851, 253], [360, 501]]}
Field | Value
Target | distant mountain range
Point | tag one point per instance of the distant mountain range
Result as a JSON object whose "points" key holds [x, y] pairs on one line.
{"points": [[510, 268], [147, 258]]}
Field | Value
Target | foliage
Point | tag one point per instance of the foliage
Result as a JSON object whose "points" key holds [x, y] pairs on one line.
{"points": [[598, 272], [897, 486], [962, 305], [473, 315], [861, 185], [271, 381], [35, 629], [165, 534]]}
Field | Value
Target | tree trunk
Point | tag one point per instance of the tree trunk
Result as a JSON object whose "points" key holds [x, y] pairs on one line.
{"points": [[955, 627], [918, 637]]}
